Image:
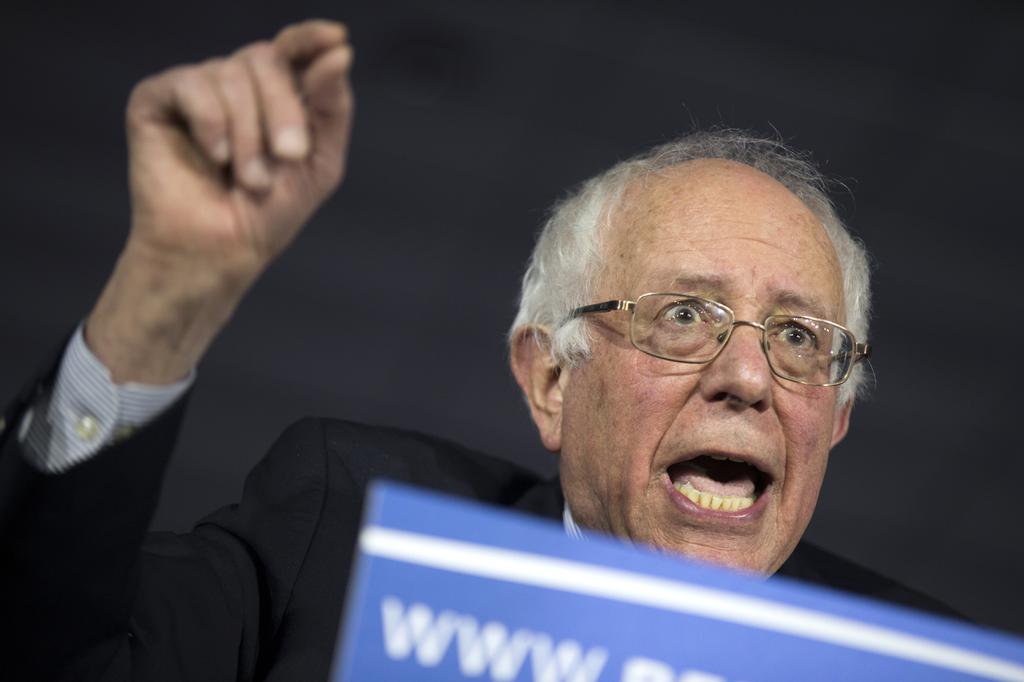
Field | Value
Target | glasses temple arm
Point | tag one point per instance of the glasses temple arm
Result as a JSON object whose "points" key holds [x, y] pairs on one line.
{"points": [[606, 306]]}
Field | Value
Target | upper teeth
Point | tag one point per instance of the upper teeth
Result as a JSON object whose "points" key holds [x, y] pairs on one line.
{"points": [[722, 458]]}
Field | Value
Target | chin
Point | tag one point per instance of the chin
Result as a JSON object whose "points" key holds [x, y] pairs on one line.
{"points": [[736, 559]]}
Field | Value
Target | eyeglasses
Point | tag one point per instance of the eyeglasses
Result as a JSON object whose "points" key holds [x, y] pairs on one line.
{"points": [[691, 329]]}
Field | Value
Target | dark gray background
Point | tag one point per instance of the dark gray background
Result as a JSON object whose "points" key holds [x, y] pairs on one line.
{"points": [[473, 118]]}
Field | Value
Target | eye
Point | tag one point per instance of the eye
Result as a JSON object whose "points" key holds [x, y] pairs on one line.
{"points": [[795, 336], [684, 313]]}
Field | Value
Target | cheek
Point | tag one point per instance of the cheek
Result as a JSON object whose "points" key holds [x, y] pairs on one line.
{"points": [[600, 407], [641, 405], [615, 416], [643, 402], [659, 388], [807, 416], [807, 424]]}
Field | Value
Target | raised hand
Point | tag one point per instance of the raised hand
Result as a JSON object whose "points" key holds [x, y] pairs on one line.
{"points": [[228, 159]]}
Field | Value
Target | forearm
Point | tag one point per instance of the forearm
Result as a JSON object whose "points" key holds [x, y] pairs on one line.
{"points": [[159, 313]]}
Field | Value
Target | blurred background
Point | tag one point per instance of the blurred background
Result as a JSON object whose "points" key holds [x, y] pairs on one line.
{"points": [[473, 117]]}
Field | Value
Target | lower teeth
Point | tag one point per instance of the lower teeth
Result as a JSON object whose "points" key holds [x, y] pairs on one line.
{"points": [[711, 501]]}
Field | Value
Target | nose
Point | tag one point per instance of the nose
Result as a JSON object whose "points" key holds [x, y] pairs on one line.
{"points": [[740, 375]]}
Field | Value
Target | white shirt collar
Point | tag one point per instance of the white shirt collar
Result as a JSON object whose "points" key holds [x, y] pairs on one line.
{"points": [[571, 529]]}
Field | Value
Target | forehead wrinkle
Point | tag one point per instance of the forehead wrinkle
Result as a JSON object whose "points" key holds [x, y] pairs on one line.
{"points": [[629, 272], [724, 290], [766, 252], [794, 303], [684, 212]]}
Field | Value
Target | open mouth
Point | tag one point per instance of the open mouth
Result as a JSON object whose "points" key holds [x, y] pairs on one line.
{"points": [[719, 483]]}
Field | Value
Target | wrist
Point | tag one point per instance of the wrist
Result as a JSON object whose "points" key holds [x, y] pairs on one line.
{"points": [[159, 312]]}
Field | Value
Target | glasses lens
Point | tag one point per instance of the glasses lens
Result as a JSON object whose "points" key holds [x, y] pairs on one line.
{"points": [[685, 328], [805, 349]]}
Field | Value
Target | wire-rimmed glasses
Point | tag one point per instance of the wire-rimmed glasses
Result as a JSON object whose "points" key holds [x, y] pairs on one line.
{"points": [[691, 329]]}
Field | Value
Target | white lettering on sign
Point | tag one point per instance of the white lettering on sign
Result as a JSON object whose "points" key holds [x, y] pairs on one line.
{"points": [[416, 630]]}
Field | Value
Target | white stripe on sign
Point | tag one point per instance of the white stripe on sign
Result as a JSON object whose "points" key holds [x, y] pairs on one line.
{"points": [[610, 583]]}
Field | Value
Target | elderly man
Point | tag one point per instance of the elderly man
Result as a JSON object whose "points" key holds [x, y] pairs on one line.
{"points": [[688, 341]]}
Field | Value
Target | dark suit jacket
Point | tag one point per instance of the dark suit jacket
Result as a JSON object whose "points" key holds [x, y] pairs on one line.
{"points": [[255, 591]]}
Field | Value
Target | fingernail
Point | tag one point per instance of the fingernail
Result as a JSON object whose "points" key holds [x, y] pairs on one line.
{"points": [[221, 150], [292, 142], [257, 173]]}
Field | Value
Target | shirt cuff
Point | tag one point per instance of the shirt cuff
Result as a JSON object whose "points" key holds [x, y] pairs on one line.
{"points": [[87, 411]]}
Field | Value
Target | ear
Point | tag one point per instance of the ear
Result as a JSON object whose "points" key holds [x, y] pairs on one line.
{"points": [[541, 381], [841, 423]]}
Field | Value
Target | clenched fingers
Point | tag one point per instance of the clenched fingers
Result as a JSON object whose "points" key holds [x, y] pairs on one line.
{"points": [[284, 118], [240, 102], [320, 53], [269, 103], [182, 94]]}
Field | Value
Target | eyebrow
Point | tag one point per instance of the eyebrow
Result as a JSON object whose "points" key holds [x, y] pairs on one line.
{"points": [[793, 302]]}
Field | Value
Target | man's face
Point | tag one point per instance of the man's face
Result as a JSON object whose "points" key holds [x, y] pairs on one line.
{"points": [[633, 427]]}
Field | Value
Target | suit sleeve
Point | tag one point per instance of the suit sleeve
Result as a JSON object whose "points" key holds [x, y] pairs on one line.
{"points": [[94, 597]]}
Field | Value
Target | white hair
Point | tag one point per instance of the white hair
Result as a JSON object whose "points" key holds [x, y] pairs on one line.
{"points": [[568, 256]]}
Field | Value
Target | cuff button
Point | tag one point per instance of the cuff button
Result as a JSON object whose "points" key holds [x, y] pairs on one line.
{"points": [[87, 428]]}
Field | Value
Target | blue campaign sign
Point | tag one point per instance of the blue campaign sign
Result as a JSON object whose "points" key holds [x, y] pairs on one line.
{"points": [[446, 589]]}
